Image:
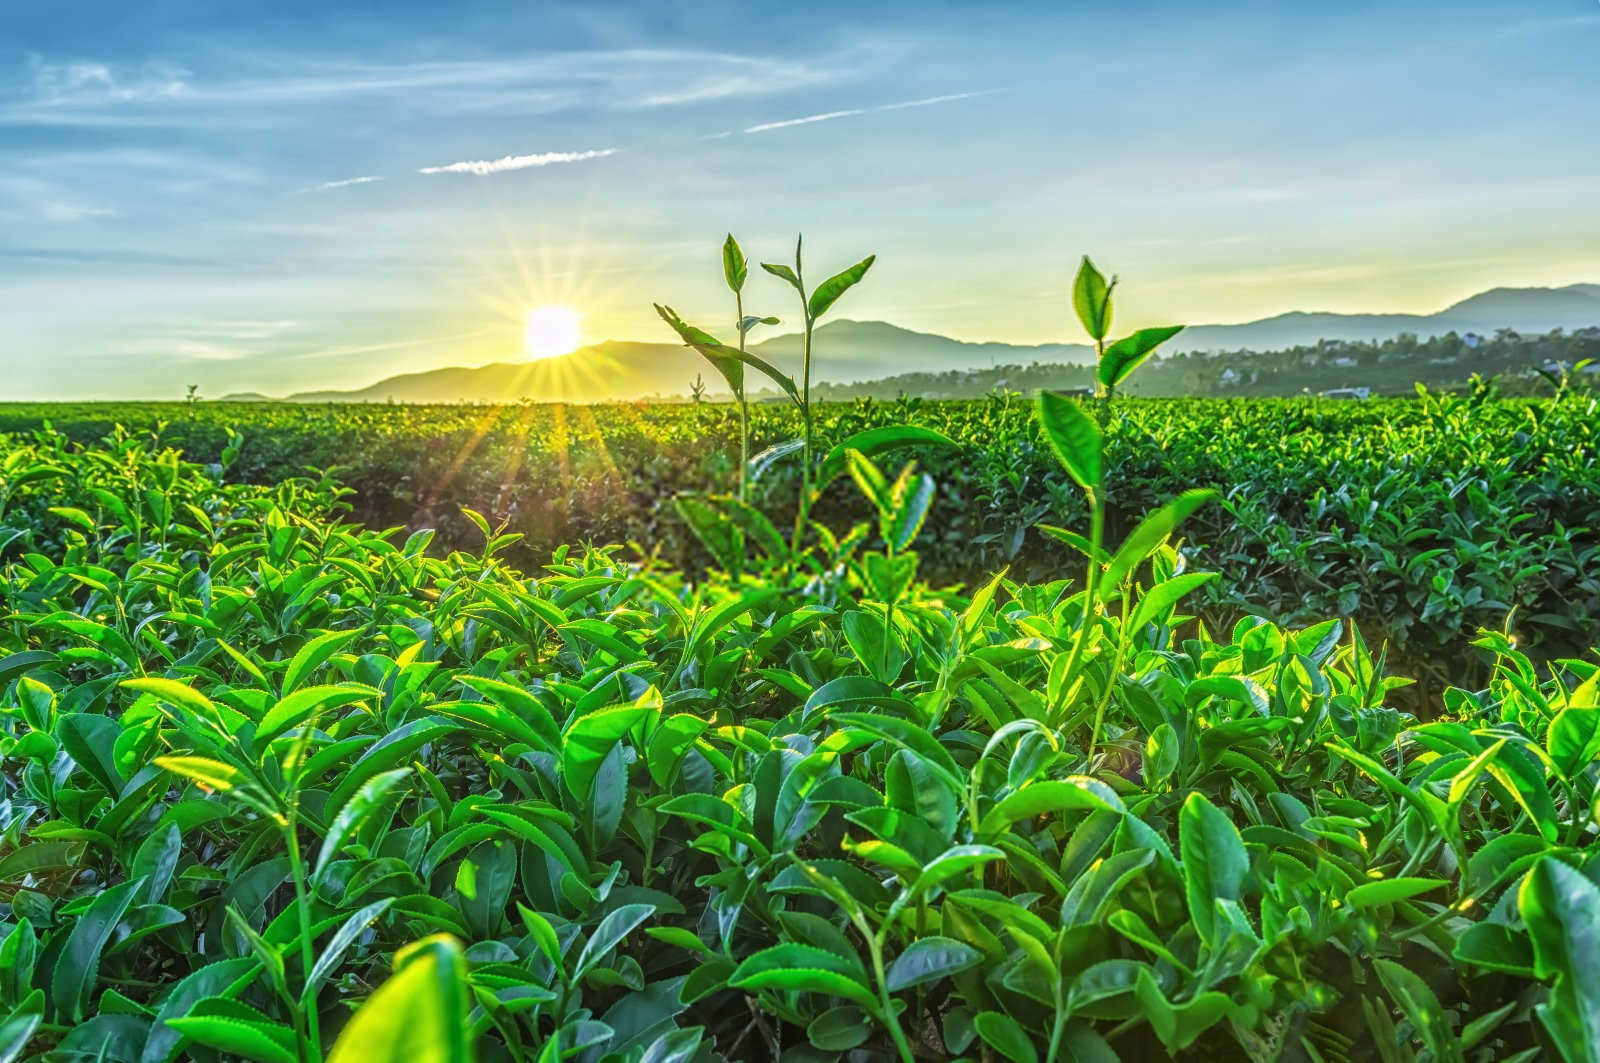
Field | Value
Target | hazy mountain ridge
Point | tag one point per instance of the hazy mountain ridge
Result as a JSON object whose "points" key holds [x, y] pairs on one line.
{"points": [[854, 351]]}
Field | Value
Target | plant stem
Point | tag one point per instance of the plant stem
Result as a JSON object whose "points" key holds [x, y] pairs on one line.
{"points": [[1111, 679], [297, 871], [744, 406], [804, 509], [1097, 531], [875, 944]]}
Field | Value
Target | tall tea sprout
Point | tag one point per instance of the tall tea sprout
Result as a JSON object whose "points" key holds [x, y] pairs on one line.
{"points": [[734, 271], [731, 361], [1078, 442], [812, 308], [1091, 300]]}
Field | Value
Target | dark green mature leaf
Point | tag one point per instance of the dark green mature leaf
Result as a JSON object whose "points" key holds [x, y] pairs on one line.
{"points": [[1006, 1036], [1074, 437], [874, 442], [1561, 908], [609, 934], [1419, 1004], [589, 738], [1150, 534], [312, 656], [1214, 861], [17, 1028], [78, 965], [928, 960], [720, 537], [1574, 739], [852, 690], [224, 978], [355, 811], [795, 967], [249, 1038], [839, 1029], [90, 740]]}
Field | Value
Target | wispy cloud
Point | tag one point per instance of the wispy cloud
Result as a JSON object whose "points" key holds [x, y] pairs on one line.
{"points": [[346, 183], [369, 348], [88, 91], [188, 350], [484, 167], [82, 81], [33, 199], [828, 116], [928, 101]]}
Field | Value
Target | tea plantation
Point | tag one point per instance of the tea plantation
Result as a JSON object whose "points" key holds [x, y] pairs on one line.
{"points": [[1424, 519], [281, 787]]}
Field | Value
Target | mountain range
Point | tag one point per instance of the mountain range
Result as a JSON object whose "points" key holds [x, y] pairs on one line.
{"points": [[853, 351]]}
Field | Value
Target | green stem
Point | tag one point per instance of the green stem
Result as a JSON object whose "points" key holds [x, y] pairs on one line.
{"points": [[1111, 678], [297, 871], [875, 944], [744, 445], [1097, 531], [744, 406]]}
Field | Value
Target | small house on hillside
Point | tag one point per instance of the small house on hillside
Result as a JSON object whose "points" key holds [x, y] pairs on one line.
{"points": [[1359, 394]]}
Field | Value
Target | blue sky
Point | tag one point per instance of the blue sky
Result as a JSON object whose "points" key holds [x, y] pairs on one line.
{"points": [[289, 195]]}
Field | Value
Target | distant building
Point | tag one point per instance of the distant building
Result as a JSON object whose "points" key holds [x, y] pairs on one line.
{"points": [[1344, 361], [1359, 394], [1228, 376], [1472, 339], [1448, 359]]}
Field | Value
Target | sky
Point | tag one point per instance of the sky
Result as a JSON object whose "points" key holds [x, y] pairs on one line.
{"points": [[282, 195]]}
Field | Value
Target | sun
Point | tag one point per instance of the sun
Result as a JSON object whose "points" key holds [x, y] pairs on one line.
{"points": [[550, 331]]}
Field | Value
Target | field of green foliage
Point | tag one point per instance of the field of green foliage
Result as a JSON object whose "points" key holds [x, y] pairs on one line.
{"points": [[278, 786], [1422, 519], [261, 766]]}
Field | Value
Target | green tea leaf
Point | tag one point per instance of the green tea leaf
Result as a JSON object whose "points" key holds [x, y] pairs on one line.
{"points": [[1091, 300], [418, 1016], [734, 268], [928, 960], [827, 293], [1073, 436], [1214, 862], [1127, 354]]}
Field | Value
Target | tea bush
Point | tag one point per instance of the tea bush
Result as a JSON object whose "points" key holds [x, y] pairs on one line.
{"points": [[278, 786], [1422, 519]]}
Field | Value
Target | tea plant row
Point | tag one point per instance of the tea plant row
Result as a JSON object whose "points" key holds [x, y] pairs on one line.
{"points": [[278, 787]]}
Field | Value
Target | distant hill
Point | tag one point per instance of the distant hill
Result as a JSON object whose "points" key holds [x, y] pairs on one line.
{"points": [[855, 351], [1521, 309], [867, 350], [848, 351]]}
